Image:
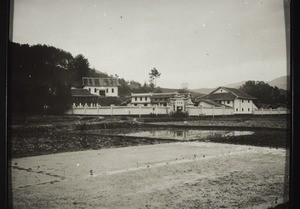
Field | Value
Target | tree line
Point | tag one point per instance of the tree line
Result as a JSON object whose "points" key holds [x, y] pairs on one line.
{"points": [[41, 77], [266, 94]]}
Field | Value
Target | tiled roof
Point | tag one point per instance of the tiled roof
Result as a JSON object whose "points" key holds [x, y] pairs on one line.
{"points": [[239, 94], [219, 96], [216, 104], [92, 81], [230, 95], [141, 94], [154, 95], [81, 93], [163, 95], [211, 102]]}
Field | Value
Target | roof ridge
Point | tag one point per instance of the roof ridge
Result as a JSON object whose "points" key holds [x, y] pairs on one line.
{"points": [[230, 90]]}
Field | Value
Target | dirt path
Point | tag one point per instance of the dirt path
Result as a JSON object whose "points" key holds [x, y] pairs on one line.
{"points": [[175, 175]]}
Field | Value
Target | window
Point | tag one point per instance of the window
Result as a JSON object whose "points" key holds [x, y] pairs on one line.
{"points": [[89, 89], [221, 90], [106, 90], [237, 109], [141, 98], [95, 90], [228, 102], [135, 98], [146, 98], [248, 109], [145, 104], [242, 101], [248, 101], [112, 90], [242, 109]]}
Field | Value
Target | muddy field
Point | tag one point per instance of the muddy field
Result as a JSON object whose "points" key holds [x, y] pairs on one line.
{"points": [[90, 162], [45, 135], [176, 175]]}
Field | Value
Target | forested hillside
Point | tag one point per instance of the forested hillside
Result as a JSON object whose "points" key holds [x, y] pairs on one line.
{"points": [[41, 76]]}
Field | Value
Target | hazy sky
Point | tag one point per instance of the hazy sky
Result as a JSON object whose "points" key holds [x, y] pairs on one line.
{"points": [[206, 43]]}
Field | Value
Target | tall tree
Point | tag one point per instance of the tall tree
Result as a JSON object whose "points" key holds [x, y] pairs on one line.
{"points": [[80, 67], [153, 76]]}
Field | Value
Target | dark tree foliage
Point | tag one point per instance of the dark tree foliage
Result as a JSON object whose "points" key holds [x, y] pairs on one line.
{"points": [[265, 93], [153, 75], [41, 77], [79, 67]]}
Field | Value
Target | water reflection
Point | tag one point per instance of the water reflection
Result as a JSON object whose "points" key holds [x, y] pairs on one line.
{"points": [[187, 134]]}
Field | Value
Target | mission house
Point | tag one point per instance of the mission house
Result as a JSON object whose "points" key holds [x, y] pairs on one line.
{"points": [[105, 87], [95, 89], [241, 102]]}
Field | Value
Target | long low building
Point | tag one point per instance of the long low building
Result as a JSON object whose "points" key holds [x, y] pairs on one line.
{"points": [[150, 99], [241, 102]]}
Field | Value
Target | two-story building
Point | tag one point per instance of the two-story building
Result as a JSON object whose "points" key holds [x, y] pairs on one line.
{"points": [[151, 99], [241, 102], [104, 87], [174, 99], [141, 99]]}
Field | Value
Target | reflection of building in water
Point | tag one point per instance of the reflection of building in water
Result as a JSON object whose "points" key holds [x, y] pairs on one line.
{"points": [[181, 134], [188, 134]]}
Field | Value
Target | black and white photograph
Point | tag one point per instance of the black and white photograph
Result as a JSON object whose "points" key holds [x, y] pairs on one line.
{"points": [[149, 104]]}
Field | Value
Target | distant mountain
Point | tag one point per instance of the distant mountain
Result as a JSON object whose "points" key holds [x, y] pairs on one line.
{"points": [[193, 93], [235, 85], [281, 82], [167, 90], [203, 90]]}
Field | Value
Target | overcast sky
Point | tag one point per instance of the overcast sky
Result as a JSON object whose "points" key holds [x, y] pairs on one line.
{"points": [[205, 43]]}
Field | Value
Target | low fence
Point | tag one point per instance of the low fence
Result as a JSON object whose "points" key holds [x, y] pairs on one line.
{"points": [[119, 110], [162, 110], [271, 111], [208, 111]]}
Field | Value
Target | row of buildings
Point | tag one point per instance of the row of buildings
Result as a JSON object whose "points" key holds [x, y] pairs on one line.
{"points": [[97, 88]]}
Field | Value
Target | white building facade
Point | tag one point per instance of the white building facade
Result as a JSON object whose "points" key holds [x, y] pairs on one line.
{"points": [[105, 87], [141, 99], [241, 102]]}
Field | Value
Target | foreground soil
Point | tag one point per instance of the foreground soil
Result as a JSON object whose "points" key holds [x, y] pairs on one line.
{"points": [[176, 175], [82, 162], [46, 135]]}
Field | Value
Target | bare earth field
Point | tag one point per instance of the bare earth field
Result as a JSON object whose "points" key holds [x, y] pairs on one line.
{"points": [[176, 175], [73, 163]]}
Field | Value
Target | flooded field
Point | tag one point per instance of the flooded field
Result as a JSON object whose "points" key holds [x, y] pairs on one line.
{"points": [[136, 166], [186, 134]]}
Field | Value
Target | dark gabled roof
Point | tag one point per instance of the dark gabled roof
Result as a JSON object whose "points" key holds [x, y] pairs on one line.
{"points": [[219, 96], [239, 93], [230, 95], [163, 95], [211, 102], [216, 104], [81, 93], [92, 81]]}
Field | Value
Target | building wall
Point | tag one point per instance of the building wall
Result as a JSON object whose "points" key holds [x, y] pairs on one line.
{"points": [[140, 100], [206, 111], [228, 102], [109, 91], [193, 111], [243, 106], [119, 110]]}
